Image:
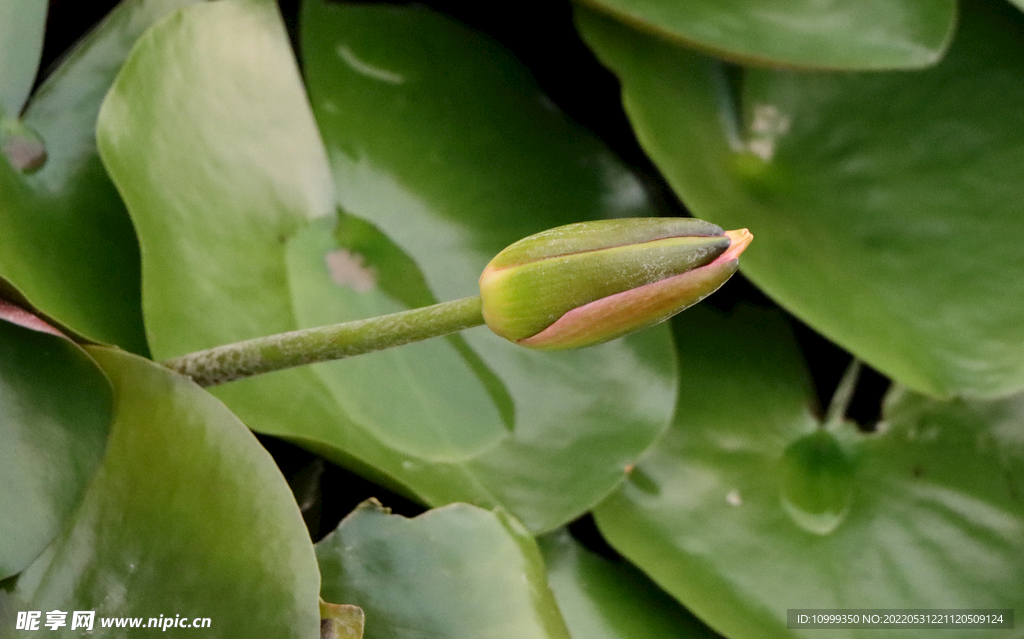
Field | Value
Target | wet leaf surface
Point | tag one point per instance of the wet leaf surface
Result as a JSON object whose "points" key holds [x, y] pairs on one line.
{"points": [[187, 516], [839, 34], [604, 599], [51, 442], [69, 246], [455, 572], [885, 205], [748, 508]]}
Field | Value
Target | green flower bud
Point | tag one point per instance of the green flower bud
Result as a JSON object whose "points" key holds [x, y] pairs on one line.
{"points": [[587, 283]]}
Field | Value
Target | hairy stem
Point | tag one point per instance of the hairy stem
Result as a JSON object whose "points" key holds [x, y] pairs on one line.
{"points": [[325, 343]]}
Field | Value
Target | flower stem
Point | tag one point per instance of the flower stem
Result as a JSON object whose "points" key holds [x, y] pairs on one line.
{"points": [[843, 396], [325, 343]]}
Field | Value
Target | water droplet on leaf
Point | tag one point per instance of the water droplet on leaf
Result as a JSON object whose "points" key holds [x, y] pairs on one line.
{"points": [[816, 482]]}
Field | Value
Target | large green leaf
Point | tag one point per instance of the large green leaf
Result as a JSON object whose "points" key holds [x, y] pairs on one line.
{"points": [[602, 599], [835, 34], [748, 507], [22, 23], [458, 572], [55, 411], [886, 206], [188, 515], [233, 203], [210, 141], [69, 246]]}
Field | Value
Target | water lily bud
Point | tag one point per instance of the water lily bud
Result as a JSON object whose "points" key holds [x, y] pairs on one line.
{"points": [[587, 283]]}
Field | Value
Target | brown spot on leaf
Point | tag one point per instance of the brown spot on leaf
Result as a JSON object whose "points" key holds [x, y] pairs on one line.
{"points": [[28, 156], [348, 269]]}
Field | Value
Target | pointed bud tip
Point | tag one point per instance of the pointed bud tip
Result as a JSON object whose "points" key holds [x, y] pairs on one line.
{"points": [[738, 242]]}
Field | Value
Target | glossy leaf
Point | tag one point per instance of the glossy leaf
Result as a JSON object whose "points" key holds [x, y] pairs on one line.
{"points": [[836, 34], [885, 206], [188, 515], [188, 90], [69, 247], [928, 513], [21, 44], [235, 216], [455, 572], [441, 139], [50, 442], [603, 599]]}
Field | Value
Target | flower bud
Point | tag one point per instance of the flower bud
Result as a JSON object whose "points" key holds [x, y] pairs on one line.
{"points": [[587, 283]]}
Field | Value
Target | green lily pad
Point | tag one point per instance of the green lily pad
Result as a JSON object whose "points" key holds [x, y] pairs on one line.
{"points": [[885, 206], [748, 508], [602, 599], [22, 23], [234, 205], [188, 517], [455, 572], [69, 247], [841, 34], [51, 442]]}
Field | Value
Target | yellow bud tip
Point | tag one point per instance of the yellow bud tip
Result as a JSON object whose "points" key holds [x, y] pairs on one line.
{"points": [[738, 242]]}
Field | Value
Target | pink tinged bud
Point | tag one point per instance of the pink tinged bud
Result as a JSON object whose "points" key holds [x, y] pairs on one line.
{"points": [[587, 283]]}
